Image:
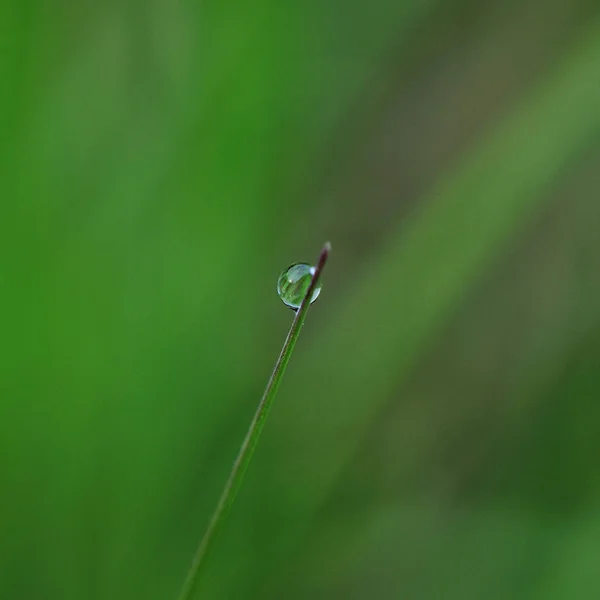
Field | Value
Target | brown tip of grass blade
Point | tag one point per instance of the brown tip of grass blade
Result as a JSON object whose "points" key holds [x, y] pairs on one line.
{"points": [[325, 252], [315, 280]]}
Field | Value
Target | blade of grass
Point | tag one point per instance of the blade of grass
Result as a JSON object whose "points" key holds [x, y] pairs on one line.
{"points": [[244, 456]]}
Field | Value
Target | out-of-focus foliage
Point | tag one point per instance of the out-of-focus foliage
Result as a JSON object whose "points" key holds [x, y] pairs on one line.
{"points": [[436, 436]]}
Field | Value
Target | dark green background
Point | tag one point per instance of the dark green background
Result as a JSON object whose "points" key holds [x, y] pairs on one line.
{"points": [[437, 433]]}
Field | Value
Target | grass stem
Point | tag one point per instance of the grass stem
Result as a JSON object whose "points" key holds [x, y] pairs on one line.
{"points": [[249, 444]]}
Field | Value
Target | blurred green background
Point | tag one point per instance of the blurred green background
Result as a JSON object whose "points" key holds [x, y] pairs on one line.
{"points": [[437, 433]]}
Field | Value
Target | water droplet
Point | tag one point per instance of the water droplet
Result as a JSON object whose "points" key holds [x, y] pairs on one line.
{"points": [[293, 283]]}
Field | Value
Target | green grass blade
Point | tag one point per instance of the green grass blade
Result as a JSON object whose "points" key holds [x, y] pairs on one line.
{"points": [[244, 456]]}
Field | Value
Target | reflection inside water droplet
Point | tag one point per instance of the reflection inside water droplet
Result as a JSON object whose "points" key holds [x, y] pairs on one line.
{"points": [[293, 283]]}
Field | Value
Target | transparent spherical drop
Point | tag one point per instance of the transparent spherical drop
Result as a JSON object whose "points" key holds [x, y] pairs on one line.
{"points": [[293, 283]]}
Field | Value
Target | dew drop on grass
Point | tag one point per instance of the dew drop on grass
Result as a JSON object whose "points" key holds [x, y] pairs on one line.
{"points": [[293, 283]]}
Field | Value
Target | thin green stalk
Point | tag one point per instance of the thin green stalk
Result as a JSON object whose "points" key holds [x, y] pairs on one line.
{"points": [[245, 454]]}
